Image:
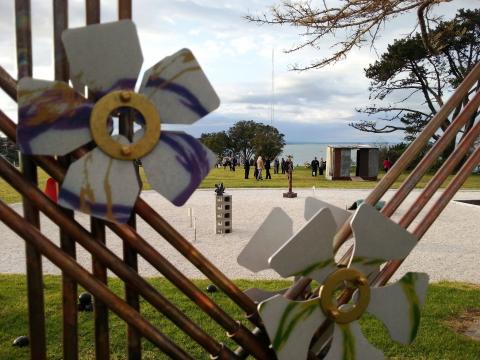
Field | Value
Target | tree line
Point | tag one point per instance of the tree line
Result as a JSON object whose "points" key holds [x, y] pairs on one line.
{"points": [[246, 138]]}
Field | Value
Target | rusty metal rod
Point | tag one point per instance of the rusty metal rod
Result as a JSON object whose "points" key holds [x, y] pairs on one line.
{"points": [[159, 262], [196, 258], [134, 343], [67, 244], [36, 309], [175, 239], [415, 147], [448, 136], [422, 167], [442, 174], [254, 345], [97, 228], [34, 237], [391, 176], [433, 213], [124, 9], [435, 182], [8, 84], [104, 255]]}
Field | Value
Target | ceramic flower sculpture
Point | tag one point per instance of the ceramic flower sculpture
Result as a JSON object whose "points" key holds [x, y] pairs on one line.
{"points": [[291, 325], [55, 119]]}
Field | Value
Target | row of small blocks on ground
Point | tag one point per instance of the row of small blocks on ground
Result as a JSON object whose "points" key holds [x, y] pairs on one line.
{"points": [[223, 214]]}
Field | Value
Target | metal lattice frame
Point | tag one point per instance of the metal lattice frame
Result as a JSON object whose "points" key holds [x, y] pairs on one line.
{"points": [[250, 342]]}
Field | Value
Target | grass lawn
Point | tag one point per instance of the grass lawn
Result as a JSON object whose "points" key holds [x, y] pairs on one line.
{"points": [[235, 179], [435, 339]]}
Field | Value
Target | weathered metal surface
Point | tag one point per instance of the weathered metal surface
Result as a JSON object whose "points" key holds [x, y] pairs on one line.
{"points": [[36, 314], [107, 258], [252, 344], [130, 256], [32, 236], [8, 83], [67, 244]]}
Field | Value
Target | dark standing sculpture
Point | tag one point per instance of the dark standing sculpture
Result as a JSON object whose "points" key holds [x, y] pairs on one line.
{"points": [[219, 189], [289, 170]]}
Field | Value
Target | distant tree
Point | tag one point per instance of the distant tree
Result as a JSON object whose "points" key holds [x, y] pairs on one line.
{"points": [[349, 23], [241, 137], [268, 141], [246, 138], [412, 82], [218, 142]]}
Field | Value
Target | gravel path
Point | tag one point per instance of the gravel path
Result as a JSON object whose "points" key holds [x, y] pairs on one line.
{"points": [[449, 250]]}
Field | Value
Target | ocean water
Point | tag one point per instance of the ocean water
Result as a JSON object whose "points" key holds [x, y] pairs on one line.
{"points": [[306, 152]]}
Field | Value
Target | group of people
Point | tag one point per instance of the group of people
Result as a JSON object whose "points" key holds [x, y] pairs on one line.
{"points": [[231, 162], [318, 166], [260, 165]]}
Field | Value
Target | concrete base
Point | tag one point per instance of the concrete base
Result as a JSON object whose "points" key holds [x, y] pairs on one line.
{"points": [[290, 194]]}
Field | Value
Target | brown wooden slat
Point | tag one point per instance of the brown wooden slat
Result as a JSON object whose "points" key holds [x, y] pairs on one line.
{"points": [[36, 314], [67, 244], [35, 238]]}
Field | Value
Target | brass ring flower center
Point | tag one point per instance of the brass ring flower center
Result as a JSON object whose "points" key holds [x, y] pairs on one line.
{"points": [[329, 288], [101, 113]]}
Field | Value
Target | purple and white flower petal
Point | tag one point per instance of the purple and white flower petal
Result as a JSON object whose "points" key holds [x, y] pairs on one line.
{"points": [[101, 186], [104, 57], [53, 119], [179, 89], [177, 165]]}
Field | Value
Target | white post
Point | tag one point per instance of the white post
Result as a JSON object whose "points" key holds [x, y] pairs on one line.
{"points": [[313, 189], [190, 215], [195, 229]]}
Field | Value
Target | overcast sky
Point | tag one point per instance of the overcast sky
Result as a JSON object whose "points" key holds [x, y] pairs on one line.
{"points": [[313, 106]]}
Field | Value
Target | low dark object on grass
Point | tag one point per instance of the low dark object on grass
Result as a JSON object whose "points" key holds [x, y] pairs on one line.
{"points": [[85, 302], [211, 288], [21, 341], [219, 189]]}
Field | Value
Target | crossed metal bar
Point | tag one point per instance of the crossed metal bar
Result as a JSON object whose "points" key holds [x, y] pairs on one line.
{"points": [[251, 342]]}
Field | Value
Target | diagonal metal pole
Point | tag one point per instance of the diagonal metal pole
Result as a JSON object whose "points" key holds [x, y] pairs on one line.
{"points": [[36, 239]]}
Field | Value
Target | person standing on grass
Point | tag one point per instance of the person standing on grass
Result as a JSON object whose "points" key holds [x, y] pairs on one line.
{"points": [[387, 164], [234, 163], [260, 167], [283, 166], [315, 165], [323, 165], [267, 169], [246, 166], [276, 164]]}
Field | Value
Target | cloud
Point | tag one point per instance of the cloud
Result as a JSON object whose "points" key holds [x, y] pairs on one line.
{"points": [[236, 56]]}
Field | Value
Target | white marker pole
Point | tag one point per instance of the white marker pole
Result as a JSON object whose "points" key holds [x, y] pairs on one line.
{"points": [[190, 215], [195, 229], [313, 189]]}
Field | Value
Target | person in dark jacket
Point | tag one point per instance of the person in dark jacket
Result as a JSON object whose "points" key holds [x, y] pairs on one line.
{"points": [[315, 165], [276, 165], [267, 169], [323, 166], [283, 166], [246, 166]]}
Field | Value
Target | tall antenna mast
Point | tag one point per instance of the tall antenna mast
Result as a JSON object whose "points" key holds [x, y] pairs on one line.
{"points": [[272, 110]]}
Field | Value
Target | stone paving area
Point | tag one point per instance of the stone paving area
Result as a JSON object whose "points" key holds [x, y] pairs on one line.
{"points": [[449, 250]]}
